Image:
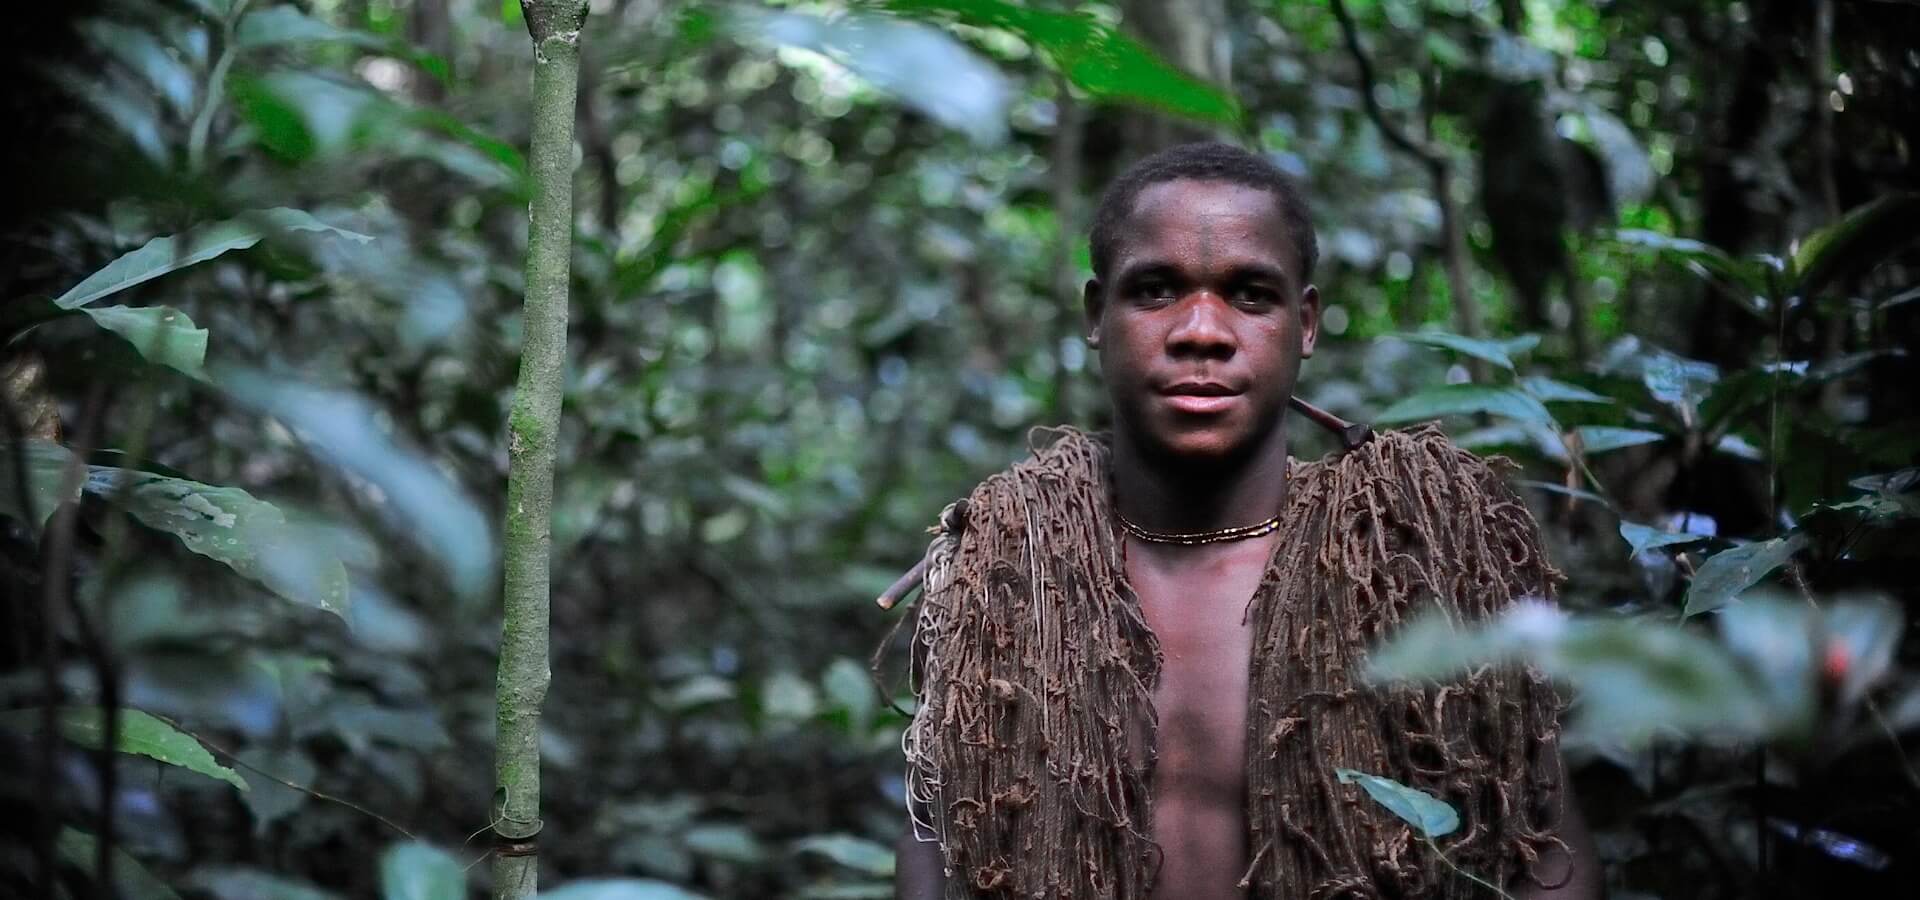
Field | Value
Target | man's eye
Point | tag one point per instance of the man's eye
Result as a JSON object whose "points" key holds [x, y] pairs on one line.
{"points": [[1156, 290], [1255, 296]]}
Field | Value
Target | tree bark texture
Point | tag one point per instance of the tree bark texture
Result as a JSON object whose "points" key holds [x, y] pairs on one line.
{"points": [[533, 428]]}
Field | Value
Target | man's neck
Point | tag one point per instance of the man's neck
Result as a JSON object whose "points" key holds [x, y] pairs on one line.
{"points": [[1178, 496]]}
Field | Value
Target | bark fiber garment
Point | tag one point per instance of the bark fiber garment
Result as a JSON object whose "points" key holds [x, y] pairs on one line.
{"points": [[1033, 746]]}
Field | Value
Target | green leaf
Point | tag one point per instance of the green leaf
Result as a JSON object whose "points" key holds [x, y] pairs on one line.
{"points": [[1862, 238], [279, 25], [247, 883], [1094, 56], [139, 733], [162, 334], [1466, 399], [1704, 259], [1635, 677], [270, 801], [1725, 575], [131, 880], [1428, 814], [1678, 382], [785, 695], [227, 524], [1602, 438], [620, 889], [729, 843], [171, 254], [417, 871], [848, 686], [48, 467], [1641, 538], [923, 66], [1495, 352], [858, 854], [1548, 390]]}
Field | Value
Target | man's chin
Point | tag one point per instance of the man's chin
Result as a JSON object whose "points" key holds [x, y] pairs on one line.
{"points": [[1201, 447]]}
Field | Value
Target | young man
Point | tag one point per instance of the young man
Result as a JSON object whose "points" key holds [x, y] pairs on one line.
{"points": [[1140, 655]]}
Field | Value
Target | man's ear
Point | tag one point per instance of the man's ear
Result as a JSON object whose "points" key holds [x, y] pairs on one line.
{"points": [[1309, 320], [1093, 301]]}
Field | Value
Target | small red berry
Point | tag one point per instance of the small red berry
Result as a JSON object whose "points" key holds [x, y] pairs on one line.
{"points": [[1837, 661]]}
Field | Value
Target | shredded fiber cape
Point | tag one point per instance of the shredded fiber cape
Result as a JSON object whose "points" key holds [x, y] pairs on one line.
{"points": [[1031, 754]]}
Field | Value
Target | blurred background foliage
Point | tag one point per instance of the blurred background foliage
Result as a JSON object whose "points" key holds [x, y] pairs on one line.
{"points": [[262, 272]]}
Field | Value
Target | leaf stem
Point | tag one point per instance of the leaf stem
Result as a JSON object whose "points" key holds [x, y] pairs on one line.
{"points": [[216, 89]]}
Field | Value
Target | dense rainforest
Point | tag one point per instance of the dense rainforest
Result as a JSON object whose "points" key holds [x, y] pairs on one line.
{"points": [[268, 290]]}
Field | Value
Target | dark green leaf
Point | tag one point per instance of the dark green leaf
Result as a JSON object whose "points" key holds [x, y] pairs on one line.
{"points": [[1862, 238], [227, 524], [162, 334], [1466, 399], [1748, 276], [729, 843], [170, 254], [1095, 57], [247, 883], [1727, 574], [270, 800], [1641, 538], [417, 871], [131, 880], [1428, 814], [849, 686], [49, 468], [858, 854], [1492, 351]]}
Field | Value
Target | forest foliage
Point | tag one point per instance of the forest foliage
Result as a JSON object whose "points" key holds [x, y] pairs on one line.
{"points": [[263, 321]]}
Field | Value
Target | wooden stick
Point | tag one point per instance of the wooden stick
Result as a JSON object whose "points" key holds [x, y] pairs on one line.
{"points": [[904, 586], [1351, 434]]}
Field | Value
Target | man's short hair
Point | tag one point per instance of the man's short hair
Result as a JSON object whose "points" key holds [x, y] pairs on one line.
{"points": [[1209, 161]]}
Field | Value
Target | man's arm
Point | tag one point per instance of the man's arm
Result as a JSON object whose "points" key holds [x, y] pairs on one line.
{"points": [[918, 872], [1576, 870]]}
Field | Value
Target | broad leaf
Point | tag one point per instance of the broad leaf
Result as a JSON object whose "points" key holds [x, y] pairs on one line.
{"points": [[1548, 390], [1635, 677], [131, 880], [278, 25], [1641, 538], [849, 686], [419, 499], [1492, 351], [1678, 382], [1725, 575], [920, 64], [139, 733], [620, 889], [270, 801], [1862, 238], [162, 334], [1428, 814], [1748, 275], [417, 871], [1093, 55], [171, 254], [227, 524], [726, 842], [1466, 399], [248, 883], [48, 469], [1602, 438], [858, 854]]}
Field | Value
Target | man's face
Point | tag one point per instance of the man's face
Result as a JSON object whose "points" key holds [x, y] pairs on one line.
{"points": [[1203, 320]]}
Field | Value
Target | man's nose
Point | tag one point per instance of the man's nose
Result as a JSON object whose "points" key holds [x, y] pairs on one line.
{"points": [[1201, 328]]}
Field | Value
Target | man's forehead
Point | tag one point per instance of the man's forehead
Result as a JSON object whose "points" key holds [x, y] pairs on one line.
{"points": [[1224, 216]]}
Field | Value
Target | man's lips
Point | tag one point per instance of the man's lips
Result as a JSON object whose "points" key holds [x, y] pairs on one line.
{"points": [[1199, 396]]}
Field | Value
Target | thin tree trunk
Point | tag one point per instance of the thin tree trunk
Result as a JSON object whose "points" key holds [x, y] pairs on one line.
{"points": [[532, 430]]}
